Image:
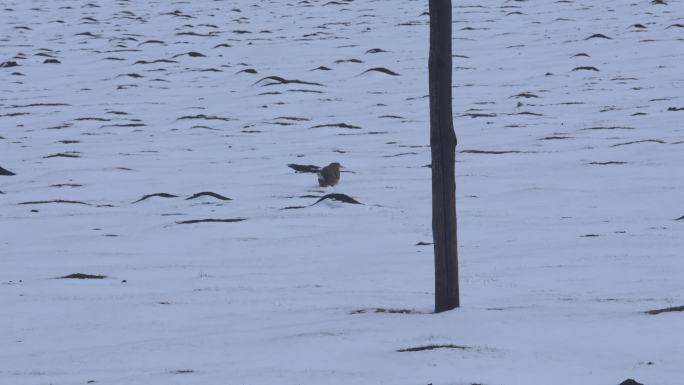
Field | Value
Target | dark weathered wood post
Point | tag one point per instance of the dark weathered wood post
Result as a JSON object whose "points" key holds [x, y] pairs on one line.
{"points": [[443, 145]]}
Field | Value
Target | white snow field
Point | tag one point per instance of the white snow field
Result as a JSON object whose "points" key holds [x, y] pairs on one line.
{"points": [[569, 190]]}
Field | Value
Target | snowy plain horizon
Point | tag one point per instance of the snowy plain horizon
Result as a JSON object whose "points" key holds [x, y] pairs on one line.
{"points": [[150, 143]]}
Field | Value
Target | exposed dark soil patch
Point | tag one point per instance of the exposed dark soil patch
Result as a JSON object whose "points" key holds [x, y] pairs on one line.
{"points": [[11, 114], [183, 371], [125, 125], [83, 276], [232, 220], [400, 154], [209, 194], [639, 141], [160, 195], [490, 152], [310, 168], [526, 95], [64, 155], [54, 201], [432, 347], [598, 36], [191, 54], [41, 105], [383, 310], [293, 118], [364, 133], [586, 68], [630, 381], [6, 172], [479, 115], [338, 125], [204, 117], [666, 310], [381, 70], [306, 91], [155, 61], [9, 64], [357, 61], [273, 80], [339, 197], [293, 207], [607, 163], [95, 119], [527, 113], [607, 128]]}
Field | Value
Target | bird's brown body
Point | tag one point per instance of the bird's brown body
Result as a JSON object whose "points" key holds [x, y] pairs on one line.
{"points": [[329, 175]]}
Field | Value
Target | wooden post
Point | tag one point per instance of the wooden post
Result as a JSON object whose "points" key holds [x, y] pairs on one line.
{"points": [[443, 146]]}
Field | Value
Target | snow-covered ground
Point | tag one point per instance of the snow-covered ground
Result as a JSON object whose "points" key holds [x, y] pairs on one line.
{"points": [[569, 189]]}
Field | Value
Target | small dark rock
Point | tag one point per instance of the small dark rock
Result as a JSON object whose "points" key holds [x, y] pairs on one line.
{"points": [[630, 381]]}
